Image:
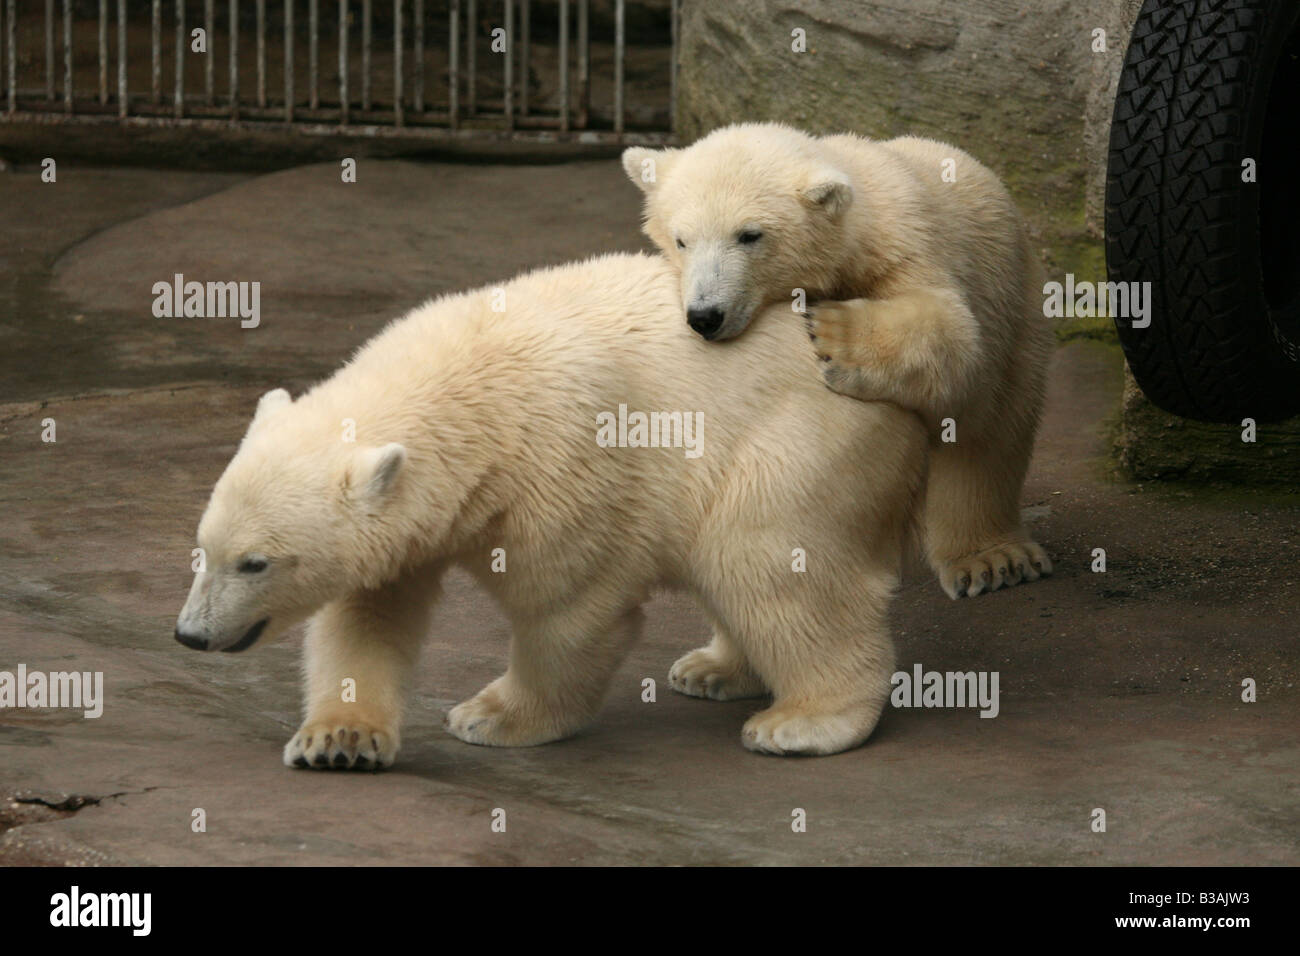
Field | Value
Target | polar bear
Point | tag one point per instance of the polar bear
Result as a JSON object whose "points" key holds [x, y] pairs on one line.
{"points": [[939, 302], [508, 442]]}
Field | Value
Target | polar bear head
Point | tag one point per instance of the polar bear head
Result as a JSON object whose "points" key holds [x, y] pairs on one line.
{"points": [[297, 519], [748, 214]]}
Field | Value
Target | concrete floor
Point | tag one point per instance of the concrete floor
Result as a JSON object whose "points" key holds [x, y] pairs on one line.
{"points": [[1119, 690]]}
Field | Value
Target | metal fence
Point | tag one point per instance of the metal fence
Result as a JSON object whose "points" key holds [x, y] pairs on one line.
{"points": [[490, 53]]}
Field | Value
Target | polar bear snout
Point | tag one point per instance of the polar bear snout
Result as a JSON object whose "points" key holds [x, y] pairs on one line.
{"points": [[705, 321], [194, 642], [200, 642]]}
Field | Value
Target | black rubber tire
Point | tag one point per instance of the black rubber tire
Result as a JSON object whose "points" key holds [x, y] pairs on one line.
{"points": [[1206, 85]]}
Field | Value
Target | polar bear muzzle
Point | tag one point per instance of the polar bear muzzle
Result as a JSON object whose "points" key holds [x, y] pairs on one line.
{"points": [[197, 643]]}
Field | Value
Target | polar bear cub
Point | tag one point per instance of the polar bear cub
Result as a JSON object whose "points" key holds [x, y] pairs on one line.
{"points": [[940, 302], [483, 435]]}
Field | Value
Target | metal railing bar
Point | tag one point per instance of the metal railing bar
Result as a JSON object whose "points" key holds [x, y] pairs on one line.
{"points": [[210, 57], [11, 60], [49, 49], [121, 59], [471, 57], [219, 124], [178, 95], [366, 17], [525, 28], [67, 54], [313, 56], [288, 61], [518, 105], [399, 116], [584, 62], [103, 51], [509, 79], [620, 42], [417, 44], [564, 64], [453, 64], [343, 62], [155, 42], [672, 66], [261, 53], [234, 59]]}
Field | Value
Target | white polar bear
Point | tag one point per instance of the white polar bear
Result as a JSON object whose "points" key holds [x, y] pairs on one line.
{"points": [[943, 313], [479, 430]]}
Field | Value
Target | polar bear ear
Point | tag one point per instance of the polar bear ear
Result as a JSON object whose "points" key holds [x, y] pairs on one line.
{"points": [[647, 167], [376, 469], [268, 403], [830, 190], [275, 398]]}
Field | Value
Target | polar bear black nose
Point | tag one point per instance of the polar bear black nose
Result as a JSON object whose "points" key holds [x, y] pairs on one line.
{"points": [[705, 321], [193, 642]]}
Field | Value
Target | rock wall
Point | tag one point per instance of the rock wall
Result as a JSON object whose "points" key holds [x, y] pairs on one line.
{"points": [[1016, 83], [1027, 86]]}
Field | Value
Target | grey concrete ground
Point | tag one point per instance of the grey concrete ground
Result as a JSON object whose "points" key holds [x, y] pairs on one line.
{"points": [[1119, 690]]}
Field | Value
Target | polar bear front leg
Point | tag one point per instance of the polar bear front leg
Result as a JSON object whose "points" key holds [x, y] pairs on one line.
{"points": [[717, 671], [559, 671], [920, 350], [828, 689], [358, 657], [820, 643], [973, 532]]}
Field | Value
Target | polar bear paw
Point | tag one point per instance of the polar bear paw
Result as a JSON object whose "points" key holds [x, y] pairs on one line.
{"points": [[785, 730], [993, 568], [836, 329], [490, 719], [702, 673], [341, 746]]}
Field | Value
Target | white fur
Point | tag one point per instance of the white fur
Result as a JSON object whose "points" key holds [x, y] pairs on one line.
{"points": [[495, 413], [940, 301]]}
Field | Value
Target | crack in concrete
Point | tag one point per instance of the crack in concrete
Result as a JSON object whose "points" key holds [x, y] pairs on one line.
{"points": [[72, 802]]}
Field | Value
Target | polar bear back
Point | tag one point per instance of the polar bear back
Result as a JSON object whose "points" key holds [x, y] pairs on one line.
{"points": [[523, 388]]}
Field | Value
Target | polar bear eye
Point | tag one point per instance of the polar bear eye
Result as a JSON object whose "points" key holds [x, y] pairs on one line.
{"points": [[680, 244], [252, 565], [749, 236]]}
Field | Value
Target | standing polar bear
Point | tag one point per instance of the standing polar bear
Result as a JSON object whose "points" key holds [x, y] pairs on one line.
{"points": [[940, 302], [517, 436]]}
